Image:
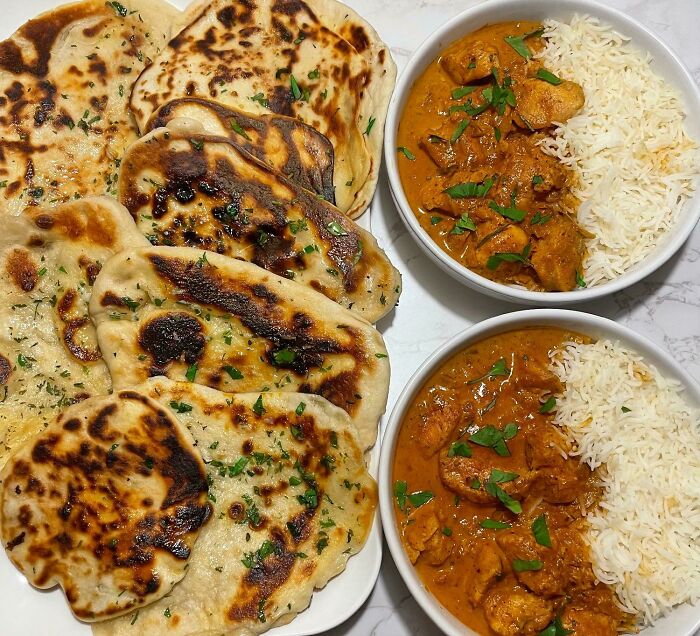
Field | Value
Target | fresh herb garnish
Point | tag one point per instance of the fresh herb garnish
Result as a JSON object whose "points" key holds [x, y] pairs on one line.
{"points": [[491, 437], [400, 490], [300, 408], [541, 531], [296, 91], [236, 127], [510, 212], [499, 368], [463, 91], [461, 127], [496, 491], [180, 407], [234, 373], [434, 220], [546, 76], [463, 224], [336, 229], [501, 476], [549, 405], [284, 356], [494, 524], [624, 409], [517, 42], [197, 144], [370, 125], [555, 628], [538, 179], [580, 282], [406, 153], [509, 257], [470, 189], [191, 372], [540, 219], [521, 565], [459, 449], [419, 498]]}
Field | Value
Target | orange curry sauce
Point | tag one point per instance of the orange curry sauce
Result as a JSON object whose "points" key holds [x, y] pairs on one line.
{"points": [[473, 120], [468, 546]]}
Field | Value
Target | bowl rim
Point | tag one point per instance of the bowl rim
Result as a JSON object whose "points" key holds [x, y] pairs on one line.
{"points": [[671, 243], [580, 321]]}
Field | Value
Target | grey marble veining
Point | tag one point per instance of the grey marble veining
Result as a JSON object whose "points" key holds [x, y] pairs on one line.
{"points": [[665, 307]]}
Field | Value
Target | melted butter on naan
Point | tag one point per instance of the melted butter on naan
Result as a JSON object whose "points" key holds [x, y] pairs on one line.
{"points": [[231, 325], [49, 356], [107, 502], [244, 54], [292, 502], [65, 81], [187, 189]]}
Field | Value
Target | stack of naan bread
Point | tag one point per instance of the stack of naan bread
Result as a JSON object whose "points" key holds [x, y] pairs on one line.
{"points": [[189, 375]]}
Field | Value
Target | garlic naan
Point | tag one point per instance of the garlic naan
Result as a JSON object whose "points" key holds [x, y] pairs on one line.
{"points": [[315, 60], [107, 502], [292, 501], [287, 145], [192, 190], [65, 81], [230, 325], [48, 347]]}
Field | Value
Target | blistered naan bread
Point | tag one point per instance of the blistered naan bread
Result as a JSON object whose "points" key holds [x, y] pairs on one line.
{"points": [[230, 325], [292, 502], [107, 502], [48, 347], [65, 81], [187, 189], [315, 60], [301, 153]]}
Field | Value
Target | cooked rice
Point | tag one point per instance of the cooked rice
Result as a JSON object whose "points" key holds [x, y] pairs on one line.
{"points": [[635, 162], [645, 536]]}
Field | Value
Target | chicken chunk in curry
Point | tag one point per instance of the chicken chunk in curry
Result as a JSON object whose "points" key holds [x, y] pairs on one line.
{"points": [[473, 169], [491, 507]]}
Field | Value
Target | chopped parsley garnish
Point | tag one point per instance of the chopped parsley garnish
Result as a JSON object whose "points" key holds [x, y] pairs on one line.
{"points": [[191, 372], [300, 408], [541, 532], [463, 91], [517, 42], [537, 180], [406, 153], [370, 125], [120, 10], [419, 498], [579, 280], [447, 532], [309, 498], [501, 476], [296, 91], [555, 628], [498, 369], [540, 219], [545, 75], [260, 98], [315, 74], [131, 304], [549, 405], [461, 127], [434, 220], [520, 565], [180, 407], [336, 229], [197, 144], [496, 491], [236, 127], [298, 226], [470, 189], [167, 613], [459, 449], [284, 356], [491, 437], [238, 467], [624, 409], [258, 407], [234, 373], [510, 212], [494, 524], [400, 490], [509, 257], [463, 224]]}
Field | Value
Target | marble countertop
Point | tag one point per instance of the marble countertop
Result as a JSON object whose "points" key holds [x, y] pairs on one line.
{"points": [[665, 307]]}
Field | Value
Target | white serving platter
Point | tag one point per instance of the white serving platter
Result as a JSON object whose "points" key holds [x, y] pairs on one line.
{"points": [[26, 611]]}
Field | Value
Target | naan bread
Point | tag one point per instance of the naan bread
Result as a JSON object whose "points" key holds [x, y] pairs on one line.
{"points": [[188, 189], [227, 324], [48, 346], [292, 501], [244, 54], [107, 502], [287, 145], [65, 81]]}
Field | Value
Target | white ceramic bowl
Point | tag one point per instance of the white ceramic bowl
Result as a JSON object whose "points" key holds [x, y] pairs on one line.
{"points": [[666, 63], [685, 619]]}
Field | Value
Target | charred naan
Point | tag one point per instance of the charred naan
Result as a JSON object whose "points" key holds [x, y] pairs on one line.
{"points": [[48, 347], [315, 60], [291, 499], [188, 189], [107, 502], [230, 325], [287, 145], [65, 81]]}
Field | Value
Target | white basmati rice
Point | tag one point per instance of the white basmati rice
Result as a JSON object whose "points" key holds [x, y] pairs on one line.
{"points": [[645, 536], [636, 163]]}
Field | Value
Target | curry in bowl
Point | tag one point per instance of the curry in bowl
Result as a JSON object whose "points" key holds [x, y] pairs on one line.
{"points": [[511, 495], [522, 164]]}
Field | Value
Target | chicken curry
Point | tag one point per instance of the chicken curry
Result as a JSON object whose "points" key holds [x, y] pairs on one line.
{"points": [[490, 506], [472, 167]]}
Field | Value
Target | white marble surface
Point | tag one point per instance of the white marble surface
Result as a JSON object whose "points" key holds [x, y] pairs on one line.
{"points": [[665, 307]]}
